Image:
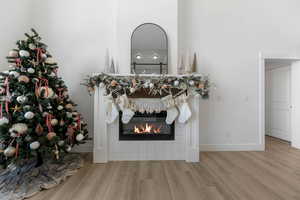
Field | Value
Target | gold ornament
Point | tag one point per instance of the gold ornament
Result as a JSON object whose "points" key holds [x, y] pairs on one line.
{"points": [[201, 86], [54, 122], [51, 135], [133, 82], [45, 92], [62, 122], [39, 129], [10, 151], [69, 106], [113, 83], [23, 78], [16, 108], [50, 61]]}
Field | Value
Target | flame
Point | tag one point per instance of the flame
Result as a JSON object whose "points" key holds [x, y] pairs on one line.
{"points": [[146, 129]]}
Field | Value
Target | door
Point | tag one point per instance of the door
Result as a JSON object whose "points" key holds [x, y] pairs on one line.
{"points": [[278, 102]]}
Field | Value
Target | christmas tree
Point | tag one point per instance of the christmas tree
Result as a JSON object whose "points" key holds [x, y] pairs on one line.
{"points": [[37, 117]]}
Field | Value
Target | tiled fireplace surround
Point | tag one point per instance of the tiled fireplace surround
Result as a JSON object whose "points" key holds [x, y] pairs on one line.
{"points": [[107, 146]]}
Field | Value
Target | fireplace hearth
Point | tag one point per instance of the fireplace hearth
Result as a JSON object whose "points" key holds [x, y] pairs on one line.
{"points": [[145, 126]]}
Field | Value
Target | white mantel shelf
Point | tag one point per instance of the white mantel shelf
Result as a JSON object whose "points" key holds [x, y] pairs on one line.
{"points": [[107, 146], [152, 75]]}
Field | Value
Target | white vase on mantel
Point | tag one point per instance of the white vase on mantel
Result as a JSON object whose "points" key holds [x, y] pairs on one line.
{"points": [[181, 67]]}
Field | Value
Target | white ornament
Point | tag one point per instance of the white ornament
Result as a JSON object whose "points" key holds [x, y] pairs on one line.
{"points": [[54, 122], [50, 61], [28, 138], [61, 143], [101, 85], [32, 46], [24, 53], [14, 73], [176, 83], [52, 74], [30, 70], [34, 145], [3, 121], [60, 107], [27, 107], [10, 151], [132, 90], [21, 99], [69, 115], [44, 56], [29, 115], [20, 128], [151, 85], [13, 53], [69, 148], [79, 137], [192, 83]]}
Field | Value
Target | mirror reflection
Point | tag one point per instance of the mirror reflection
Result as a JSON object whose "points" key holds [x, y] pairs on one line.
{"points": [[149, 50]]}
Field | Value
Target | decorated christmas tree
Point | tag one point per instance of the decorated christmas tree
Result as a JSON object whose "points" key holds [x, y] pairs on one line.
{"points": [[37, 117]]}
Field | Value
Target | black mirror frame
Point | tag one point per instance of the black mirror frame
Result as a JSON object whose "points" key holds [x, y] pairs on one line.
{"points": [[167, 43]]}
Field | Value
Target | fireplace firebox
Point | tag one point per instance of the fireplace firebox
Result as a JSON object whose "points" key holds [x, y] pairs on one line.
{"points": [[144, 126]]}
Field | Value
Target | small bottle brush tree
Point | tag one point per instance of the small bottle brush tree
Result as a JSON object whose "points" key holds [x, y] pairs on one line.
{"points": [[37, 117]]}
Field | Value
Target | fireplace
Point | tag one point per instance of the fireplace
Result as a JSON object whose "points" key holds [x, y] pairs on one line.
{"points": [[144, 126]]}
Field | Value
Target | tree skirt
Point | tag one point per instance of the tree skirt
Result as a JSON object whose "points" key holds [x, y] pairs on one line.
{"points": [[26, 181]]}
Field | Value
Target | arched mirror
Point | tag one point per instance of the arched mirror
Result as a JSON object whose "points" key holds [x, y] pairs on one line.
{"points": [[149, 50]]}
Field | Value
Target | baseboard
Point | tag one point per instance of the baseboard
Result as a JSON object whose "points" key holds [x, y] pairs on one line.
{"points": [[232, 147], [88, 147]]}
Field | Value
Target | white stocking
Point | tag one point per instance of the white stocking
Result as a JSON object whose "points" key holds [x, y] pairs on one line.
{"points": [[184, 109], [111, 110], [172, 111], [125, 106], [127, 115]]}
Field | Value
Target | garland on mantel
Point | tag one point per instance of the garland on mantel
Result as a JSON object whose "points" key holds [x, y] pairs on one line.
{"points": [[174, 85]]}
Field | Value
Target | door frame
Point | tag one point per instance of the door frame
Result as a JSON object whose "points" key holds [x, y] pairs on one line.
{"points": [[261, 92]]}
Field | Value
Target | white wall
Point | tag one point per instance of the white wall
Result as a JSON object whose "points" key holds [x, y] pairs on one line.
{"points": [[132, 13], [228, 36], [14, 19], [78, 34]]}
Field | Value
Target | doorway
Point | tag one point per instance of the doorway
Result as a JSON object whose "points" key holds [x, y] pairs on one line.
{"points": [[279, 99]]}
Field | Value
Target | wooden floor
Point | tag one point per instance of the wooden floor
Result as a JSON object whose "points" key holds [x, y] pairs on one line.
{"points": [[270, 175]]}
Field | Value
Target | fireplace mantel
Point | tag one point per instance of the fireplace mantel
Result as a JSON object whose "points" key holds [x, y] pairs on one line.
{"points": [[107, 146]]}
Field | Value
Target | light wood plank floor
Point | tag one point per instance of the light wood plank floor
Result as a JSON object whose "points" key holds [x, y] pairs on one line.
{"points": [[270, 175]]}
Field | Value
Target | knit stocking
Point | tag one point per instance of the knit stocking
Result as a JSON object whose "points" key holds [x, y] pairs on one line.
{"points": [[172, 111], [184, 109], [111, 110], [125, 106]]}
